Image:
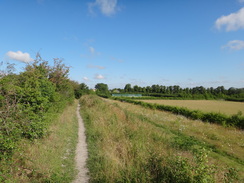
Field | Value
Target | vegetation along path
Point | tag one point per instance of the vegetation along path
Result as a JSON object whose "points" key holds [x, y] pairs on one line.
{"points": [[81, 152]]}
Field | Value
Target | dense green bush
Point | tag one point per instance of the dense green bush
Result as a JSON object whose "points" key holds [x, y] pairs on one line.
{"points": [[27, 99]]}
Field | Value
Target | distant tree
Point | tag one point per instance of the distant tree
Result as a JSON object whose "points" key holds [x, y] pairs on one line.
{"points": [[115, 90], [148, 89], [232, 91], [162, 89], [136, 88], [176, 89], [102, 89], [155, 88], [170, 89], [82, 89], [128, 88]]}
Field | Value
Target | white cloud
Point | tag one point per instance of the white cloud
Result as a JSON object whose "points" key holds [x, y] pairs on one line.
{"points": [[231, 22], [96, 66], [86, 78], [234, 45], [19, 56], [99, 76], [241, 1], [107, 7], [92, 50]]}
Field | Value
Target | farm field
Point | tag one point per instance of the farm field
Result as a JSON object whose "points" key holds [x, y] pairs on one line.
{"points": [[130, 143], [226, 107]]}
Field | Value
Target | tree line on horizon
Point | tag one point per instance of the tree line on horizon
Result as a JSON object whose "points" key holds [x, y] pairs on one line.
{"points": [[198, 92]]}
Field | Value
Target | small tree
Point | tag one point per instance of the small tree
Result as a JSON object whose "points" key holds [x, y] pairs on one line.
{"points": [[102, 89], [80, 90]]}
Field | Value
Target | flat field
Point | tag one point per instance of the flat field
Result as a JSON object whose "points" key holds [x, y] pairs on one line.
{"points": [[226, 107]]}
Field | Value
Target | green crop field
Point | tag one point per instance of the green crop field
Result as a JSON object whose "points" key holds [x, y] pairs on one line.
{"points": [[226, 107], [131, 143]]}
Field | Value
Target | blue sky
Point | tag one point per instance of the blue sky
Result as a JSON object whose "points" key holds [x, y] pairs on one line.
{"points": [[167, 42]]}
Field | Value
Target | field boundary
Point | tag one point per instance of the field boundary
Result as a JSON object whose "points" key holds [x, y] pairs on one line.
{"points": [[236, 120]]}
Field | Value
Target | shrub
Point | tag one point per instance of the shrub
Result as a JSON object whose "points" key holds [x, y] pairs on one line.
{"points": [[236, 120], [26, 99], [215, 118]]}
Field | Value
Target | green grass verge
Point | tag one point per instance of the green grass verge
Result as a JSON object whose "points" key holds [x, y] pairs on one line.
{"points": [[50, 159], [126, 144]]}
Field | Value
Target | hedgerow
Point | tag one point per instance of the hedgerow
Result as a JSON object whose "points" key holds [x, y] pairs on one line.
{"points": [[236, 120], [28, 99]]}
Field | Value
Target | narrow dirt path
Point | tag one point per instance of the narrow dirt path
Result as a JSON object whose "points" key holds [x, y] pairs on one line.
{"points": [[81, 152]]}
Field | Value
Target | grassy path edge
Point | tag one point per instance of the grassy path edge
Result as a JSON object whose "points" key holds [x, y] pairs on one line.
{"points": [[50, 159]]}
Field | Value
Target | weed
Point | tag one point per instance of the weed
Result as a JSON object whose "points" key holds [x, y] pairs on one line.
{"points": [[231, 175]]}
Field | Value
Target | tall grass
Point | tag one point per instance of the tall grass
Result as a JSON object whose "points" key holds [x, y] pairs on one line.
{"points": [[50, 159], [128, 143]]}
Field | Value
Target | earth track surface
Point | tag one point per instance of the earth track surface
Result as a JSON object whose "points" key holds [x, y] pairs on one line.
{"points": [[81, 152]]}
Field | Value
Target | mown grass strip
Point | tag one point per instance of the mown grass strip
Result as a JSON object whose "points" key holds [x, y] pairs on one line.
{"points": [[186, 142]]}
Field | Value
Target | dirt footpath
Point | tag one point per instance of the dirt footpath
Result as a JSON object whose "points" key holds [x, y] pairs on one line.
{"points": [[81, 152]]}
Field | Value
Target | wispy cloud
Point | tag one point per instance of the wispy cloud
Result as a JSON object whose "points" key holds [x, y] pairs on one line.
{"points": [[99, 76], [117, 60], [241, 1], [107, 7], [221, 81], [138, 82], [93, 52], [86, 79], [234, 45], [71, 38], [19, 56], [231, 22], [95, 66]]}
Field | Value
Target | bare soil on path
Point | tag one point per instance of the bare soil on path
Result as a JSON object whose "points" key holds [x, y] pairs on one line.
{"points": [[81, 152]]}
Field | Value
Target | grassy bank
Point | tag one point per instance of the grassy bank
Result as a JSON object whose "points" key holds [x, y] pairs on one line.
{"points": [[128, 143], [50, 159]]}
